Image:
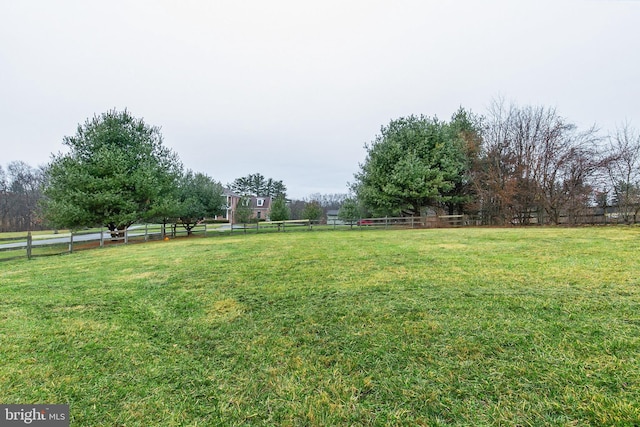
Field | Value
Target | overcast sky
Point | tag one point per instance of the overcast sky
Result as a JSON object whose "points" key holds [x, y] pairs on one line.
{"points": [[293, 89]]}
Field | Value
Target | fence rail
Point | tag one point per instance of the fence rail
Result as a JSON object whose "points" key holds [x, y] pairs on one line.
{"points": [[410, 222], [273, 225], [31, 246]]}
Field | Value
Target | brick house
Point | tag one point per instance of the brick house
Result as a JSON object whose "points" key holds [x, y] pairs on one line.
{"points": [[260, 206]]}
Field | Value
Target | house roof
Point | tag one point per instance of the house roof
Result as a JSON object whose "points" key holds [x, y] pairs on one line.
{"points": [[266, 202], [228, 192], [253, 200]]}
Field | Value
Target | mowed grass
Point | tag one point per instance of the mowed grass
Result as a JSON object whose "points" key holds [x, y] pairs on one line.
{"points": [[535, 326]]}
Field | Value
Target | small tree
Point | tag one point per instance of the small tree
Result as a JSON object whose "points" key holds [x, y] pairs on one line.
{"points": [[243, 212], [279, 210], [349, 212], [312, 211], [199, 197], [166, 210]]}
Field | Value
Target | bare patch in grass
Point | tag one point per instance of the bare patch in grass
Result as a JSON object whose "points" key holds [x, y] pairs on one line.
{"points": [[226, 310]]}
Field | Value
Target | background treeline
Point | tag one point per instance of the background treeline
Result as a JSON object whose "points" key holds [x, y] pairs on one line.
{"points": [[20, 195], [515, 165], [534, 165]]}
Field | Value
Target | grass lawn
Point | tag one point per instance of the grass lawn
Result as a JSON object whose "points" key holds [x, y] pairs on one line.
{"points": [[536, 326]]}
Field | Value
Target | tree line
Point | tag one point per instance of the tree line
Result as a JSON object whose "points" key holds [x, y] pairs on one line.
{"points": [[20, 194], [115, 172], [516, 165]]}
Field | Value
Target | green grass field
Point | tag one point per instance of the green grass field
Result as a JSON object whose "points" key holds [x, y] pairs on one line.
{"points": [[503, 327]]}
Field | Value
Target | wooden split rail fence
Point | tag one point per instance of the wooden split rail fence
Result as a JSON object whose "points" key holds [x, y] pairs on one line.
{"points": [[30, 245]]}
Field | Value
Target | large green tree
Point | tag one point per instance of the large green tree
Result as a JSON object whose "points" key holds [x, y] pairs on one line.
{"points": [[415, 163], [116, 172]]}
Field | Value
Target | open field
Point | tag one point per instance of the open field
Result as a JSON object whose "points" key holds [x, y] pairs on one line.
{"points": [[533, 326]]}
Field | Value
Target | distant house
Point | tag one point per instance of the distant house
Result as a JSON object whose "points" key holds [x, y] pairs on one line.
{"points": [[332, 217], [260, 206], [232, 200]]}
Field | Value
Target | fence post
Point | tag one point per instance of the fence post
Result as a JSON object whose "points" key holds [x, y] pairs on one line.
{"points": [[146, 232], [126, 235], [29, 239], [386, 222], [205, 229], [101, 237], [71, 242]]}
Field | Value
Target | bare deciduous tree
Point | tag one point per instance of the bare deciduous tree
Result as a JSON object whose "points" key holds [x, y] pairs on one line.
{"points": [[624, 171], [20, 194], [534, 165]]}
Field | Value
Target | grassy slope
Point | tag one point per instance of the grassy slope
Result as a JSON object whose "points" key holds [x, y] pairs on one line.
{"points": [[433, 327]]}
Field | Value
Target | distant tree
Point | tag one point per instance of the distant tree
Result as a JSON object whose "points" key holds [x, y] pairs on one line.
{"points": [[26, 189], [243, 213], [534, 164], [115, 173], [20, 197], [467, 127], [624, 171], [279, 210], [256, 184], [415, 163], [296, 208], [167, 209], [349, 212], [199, 196], [4, 201], [312, 211], [275, 189], [328, 201]]}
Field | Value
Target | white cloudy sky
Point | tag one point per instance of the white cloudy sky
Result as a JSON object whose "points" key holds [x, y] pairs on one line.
{"points": [[293, 89]]}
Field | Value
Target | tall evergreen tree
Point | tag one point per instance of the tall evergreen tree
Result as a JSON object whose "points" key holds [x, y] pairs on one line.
{"points": [[116, 172], [415, 163]]}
